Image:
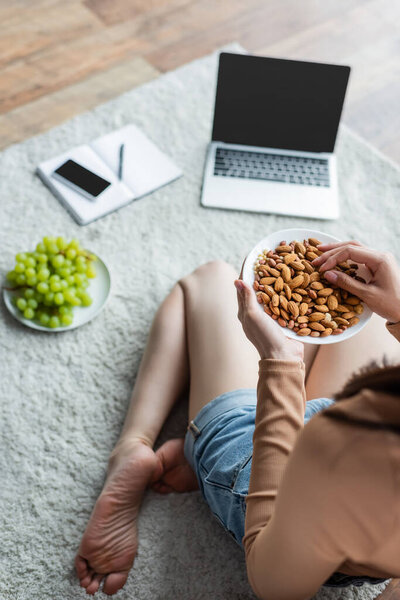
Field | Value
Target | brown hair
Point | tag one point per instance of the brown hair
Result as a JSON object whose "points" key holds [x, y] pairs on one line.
{"points": [[374, 376], [381, 378]]}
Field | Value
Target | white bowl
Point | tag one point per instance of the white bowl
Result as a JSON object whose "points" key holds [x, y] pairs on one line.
{"points": [[270, 242]]}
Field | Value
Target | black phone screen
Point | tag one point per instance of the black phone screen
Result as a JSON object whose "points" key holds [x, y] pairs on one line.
{"points": [[89, 182]]}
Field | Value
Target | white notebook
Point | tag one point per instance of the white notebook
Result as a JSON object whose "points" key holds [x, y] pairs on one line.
{"points": [[145, 169]]}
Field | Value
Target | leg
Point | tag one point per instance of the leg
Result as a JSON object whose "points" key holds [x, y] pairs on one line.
{"points": [[335, 363], [221, 357], [109, 544]]}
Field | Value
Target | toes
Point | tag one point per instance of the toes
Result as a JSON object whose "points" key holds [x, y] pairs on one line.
{"points": [[81, 566], [114, 582], [94, 585]]}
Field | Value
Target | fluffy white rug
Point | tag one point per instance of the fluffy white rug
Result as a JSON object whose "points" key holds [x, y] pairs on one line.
{"points": [[64, 396]]}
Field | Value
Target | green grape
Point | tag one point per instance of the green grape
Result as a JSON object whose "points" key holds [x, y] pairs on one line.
{"points": [[19, 267], [32, 281], [74, 244], [21, 256], [43, 274], [91, 272], [32, 303], [69, 295], [81, 260], [65, 309], [29, 294], [29, 313], [11, 275], [71, 279], [71, 253], [54, 322], [78, 278], [86, 299], [59, 298], [30, 272], [64, 272], [42, 258], [20, 279], [38, 297], [44, 318], [42, 287], [76, 301], [49, 297], [54, 277], [41, 248], [30, 262], [85, 284], [55, 286], [67, 263], [58, 261], [80, 268], [64, 284], [22, 304], [61, 243], [66, 320]]}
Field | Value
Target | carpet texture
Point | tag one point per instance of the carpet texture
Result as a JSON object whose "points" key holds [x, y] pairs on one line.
{"points": [[64, 396]]}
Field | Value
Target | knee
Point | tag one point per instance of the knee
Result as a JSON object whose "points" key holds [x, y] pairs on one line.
{"points": [[213, 268]]}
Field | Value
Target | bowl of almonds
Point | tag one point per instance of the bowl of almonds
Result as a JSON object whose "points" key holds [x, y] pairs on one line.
{"points": [[292, 291]]}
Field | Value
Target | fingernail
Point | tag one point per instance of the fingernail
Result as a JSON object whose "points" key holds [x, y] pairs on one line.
{"points": [[331, 276], [239, 285]]}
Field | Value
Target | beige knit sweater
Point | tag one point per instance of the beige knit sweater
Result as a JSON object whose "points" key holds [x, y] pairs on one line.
{"points": [[324, 497]]}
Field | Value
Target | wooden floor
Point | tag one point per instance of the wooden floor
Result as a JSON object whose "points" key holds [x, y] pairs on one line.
{"points": [[61, 57]]}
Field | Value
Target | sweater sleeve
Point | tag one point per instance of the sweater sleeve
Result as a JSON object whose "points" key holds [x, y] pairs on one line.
{"points": [[282, 562], [394, 329]]}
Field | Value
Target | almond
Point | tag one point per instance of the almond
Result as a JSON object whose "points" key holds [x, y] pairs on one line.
{"points": [[293, 308], [315, 276], [296, 281], [306, 280], [283, 248], [354, 321], [287, 291], [299, 247], [274, 272], [282, 322], [304, 331], [353, 300], [302, 319], [314, 241], [285, 272], [341, 321], [289, 258], [348, 315], [332, 302], [311, 255], [315, 334], [316, 316], [275, 300], [317, 326], [308, 267], [278, 286], [323, 308], [327, 332], [358, 309], [283, 301], [285, 314], [297, 265], [275, 310], [325, 292], [303, 308], [267, 280]]}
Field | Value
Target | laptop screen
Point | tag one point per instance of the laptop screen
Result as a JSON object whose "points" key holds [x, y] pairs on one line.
{"points": [[278, 103]]}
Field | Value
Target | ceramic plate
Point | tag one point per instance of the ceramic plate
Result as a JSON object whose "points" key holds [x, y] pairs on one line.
{"points": [[99, 290]]}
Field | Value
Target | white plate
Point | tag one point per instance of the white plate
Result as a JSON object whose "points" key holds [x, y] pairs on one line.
{"points": [[99, 290], [270, 242]]}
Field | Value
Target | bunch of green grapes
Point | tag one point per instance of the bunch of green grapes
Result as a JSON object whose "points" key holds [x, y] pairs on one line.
{"points": [[52, 280]]}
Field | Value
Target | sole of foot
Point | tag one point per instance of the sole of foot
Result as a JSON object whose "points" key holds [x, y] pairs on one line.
{"points": [[109, 544]]}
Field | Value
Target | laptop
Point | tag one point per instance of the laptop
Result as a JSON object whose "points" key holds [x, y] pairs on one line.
{"points": [[273, 137]]}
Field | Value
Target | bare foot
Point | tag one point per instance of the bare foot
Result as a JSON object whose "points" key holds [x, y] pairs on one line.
{"points": [[109, 544], [177, 475]]}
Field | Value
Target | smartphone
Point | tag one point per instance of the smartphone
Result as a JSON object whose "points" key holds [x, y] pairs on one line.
{"points": [[81, 179]]}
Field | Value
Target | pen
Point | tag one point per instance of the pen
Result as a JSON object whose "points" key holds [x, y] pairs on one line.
{"points": [[121, 160]]}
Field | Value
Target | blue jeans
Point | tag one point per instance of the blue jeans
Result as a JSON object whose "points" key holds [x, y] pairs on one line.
{"points": [[219, 448]]}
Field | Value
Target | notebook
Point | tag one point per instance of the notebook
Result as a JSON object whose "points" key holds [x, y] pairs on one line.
{"points": [[145, 169]]}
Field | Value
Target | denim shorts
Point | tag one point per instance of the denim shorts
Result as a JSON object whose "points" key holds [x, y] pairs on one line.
{"points": [[219, 448]]}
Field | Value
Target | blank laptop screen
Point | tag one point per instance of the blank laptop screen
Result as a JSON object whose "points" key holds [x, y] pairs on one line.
{"points": [[278, 103]]}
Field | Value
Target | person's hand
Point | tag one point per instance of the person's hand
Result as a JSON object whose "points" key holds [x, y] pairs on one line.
{"points": [[382, 293], [261, 330]]}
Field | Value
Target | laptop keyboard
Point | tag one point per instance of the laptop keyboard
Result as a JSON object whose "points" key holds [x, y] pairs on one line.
{"points": [[272, 167]]}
